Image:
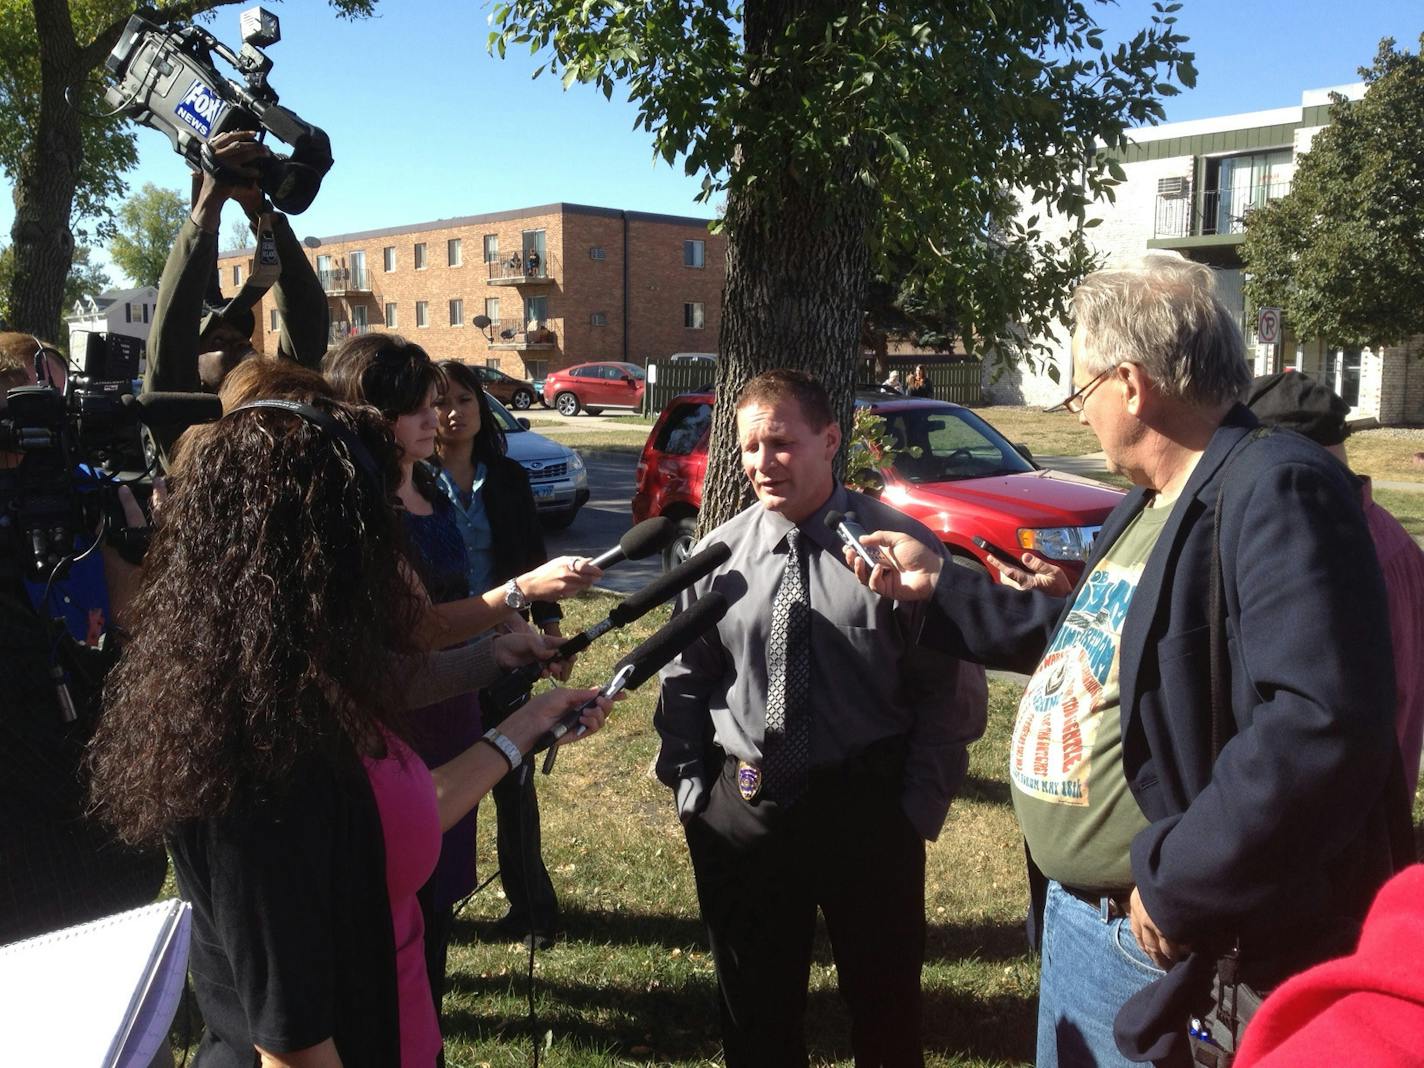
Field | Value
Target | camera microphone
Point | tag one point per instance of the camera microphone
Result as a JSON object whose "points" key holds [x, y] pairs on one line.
{"points": [[176, 409], [515, 684], [648, 537], [642, 664]]}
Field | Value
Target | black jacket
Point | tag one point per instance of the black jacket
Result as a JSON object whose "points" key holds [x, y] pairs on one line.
{"points": [[514, 527], [1284, 839]]}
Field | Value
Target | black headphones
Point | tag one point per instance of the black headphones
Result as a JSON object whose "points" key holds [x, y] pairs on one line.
{"points": [[360, 455]]}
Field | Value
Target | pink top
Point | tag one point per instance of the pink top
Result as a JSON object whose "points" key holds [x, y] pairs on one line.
{"points": [[1402, 562], [410, 824]]}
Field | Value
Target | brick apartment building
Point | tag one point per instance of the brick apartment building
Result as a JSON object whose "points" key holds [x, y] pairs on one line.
{"points": [[561, 284]]}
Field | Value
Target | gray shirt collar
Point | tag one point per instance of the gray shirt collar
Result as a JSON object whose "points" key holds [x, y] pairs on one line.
{"points": [[772, 527]]}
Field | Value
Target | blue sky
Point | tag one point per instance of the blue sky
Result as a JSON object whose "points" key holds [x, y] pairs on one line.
{"points": [[425, 124]]}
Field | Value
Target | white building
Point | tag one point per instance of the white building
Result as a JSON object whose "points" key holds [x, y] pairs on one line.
{"points": [[119, 311], [1188, 187]]}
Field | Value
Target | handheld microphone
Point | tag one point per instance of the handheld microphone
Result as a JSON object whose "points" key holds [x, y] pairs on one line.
{"points": [[176, 409], [648, 537], [845, 527], [642, 664], [513, 685]]}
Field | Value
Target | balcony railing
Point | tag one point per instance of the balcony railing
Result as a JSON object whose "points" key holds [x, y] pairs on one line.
{"points": [[519, 269], [338, 280], [341, 330], [1216, 211], [517, 335]]}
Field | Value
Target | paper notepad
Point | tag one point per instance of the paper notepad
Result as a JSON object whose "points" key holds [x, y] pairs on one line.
{"points": [[99, 995]]}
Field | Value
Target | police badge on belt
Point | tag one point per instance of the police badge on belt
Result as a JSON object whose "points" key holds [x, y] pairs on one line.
{"points": [[748, 780]]}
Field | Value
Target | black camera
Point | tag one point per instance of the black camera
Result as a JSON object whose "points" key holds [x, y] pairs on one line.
{"points": [[67, 449], [165, 78]]}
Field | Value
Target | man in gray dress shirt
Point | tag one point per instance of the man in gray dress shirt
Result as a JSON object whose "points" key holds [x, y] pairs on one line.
{"points": [[813, 747]]}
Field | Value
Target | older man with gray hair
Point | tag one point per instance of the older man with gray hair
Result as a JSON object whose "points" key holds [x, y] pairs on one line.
{"points": [[1203, 762]]}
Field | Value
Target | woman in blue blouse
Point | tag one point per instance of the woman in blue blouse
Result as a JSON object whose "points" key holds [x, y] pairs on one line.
{"points": [[494, 509]]}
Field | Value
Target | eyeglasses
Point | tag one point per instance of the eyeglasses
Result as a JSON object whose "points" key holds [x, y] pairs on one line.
{"points": [[1074, 402]]}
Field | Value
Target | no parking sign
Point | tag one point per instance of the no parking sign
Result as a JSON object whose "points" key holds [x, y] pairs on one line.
{"points": [[1268, 326]]}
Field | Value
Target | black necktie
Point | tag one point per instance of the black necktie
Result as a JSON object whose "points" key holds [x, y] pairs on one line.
{"points": [[786, 749]]}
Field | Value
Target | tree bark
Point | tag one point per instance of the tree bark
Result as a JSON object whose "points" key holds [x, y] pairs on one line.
{"points": [[44, 187], [798, 265]]}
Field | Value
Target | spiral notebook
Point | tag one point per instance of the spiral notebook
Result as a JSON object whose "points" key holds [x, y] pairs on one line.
{"points": [[99, 995]]}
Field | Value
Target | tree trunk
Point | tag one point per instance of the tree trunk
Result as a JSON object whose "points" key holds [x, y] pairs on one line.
{"points": [[44, 188], [798, 264]]}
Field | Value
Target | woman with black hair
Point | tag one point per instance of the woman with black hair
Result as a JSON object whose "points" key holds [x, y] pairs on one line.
{"points": [[254, 724], [494, 509]]}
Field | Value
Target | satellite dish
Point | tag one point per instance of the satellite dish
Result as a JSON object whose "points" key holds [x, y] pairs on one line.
{"points": [[481, 321], [312, 242]]}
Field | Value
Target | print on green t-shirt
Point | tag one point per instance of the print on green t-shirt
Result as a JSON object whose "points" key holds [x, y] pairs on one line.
{"points": [[1065, 757]]}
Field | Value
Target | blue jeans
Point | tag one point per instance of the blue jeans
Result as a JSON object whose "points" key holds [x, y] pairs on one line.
{"points": [[1091, 965]]}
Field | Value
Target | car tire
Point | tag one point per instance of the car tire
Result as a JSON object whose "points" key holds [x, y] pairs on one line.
{"points": [[522, 400], [594, 411], [558, 520], [567, 404], [680, 548]]}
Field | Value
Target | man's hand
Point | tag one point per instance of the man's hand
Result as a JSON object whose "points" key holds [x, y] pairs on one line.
{"points": [[559, 578], [559, 670], [237, 151], [691, 799], [1161, 949], [918, 566], [1035, 574], [532, 720]]}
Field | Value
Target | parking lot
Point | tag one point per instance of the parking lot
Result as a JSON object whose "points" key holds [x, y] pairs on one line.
{"points": [[604, 519]]}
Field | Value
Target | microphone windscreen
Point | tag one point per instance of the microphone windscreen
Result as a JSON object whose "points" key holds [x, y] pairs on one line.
{"points": [[681, 631], [833, 520], [670, 584], [178, 409], [648, 537]]}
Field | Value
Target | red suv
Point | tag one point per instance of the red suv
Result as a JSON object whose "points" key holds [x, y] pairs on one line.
{"points": [[967, 481], [595, 386]]}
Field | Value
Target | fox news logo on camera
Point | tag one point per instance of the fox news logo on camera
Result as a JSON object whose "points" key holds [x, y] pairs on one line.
{"points": [[201, 108]]}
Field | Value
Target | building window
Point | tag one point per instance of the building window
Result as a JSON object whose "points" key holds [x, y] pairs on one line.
{"points": [[457, 312], [536, 369], [236, 274], [1342, 373], [420, 255], [598, 319], [145, 312], [597, 253], [692, 317], [359, 322], [272, 320], [491, 363], [388, 258], [536, 310], [422, 313], [358, 270], [694, 253], [390, 315], [454, 257], [128, 312]]}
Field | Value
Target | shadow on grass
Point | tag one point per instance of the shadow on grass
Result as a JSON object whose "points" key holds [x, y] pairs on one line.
{"points": [[994, 791], [608, 928], [681, 1024]]}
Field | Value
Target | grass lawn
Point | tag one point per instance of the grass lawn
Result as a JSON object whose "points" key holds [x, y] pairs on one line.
{"points": [[616, 440], [1056, 434], [1387, 454], [633, 983], [1405, 506]]}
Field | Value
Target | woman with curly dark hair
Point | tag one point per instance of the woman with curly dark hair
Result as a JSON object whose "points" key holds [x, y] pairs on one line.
{"points": [[254, 724]]}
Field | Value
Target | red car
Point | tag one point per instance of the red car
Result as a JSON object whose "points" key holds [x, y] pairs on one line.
{"points": [[595, 386], [966, 481]]}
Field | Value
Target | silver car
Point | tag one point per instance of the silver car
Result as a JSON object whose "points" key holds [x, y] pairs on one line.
{"points": [[556, 472]]}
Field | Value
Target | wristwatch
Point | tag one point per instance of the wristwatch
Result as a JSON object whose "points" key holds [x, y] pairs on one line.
{"points": [[514, 597]]}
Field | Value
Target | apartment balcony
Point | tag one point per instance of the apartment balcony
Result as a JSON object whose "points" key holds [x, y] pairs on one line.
{"points": [[516, 335], [339, 281], [518, 269], [1199, 222], [339, 331]]}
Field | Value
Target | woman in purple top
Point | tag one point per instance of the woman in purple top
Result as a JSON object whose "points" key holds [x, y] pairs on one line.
{"points": [[257, 730]]}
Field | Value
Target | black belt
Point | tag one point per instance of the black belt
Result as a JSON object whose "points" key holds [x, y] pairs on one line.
{"points": [[1113, 904]]}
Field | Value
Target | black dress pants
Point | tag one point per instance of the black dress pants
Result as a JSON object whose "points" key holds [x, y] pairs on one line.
{"points": [[527, 886], [845, 847]]}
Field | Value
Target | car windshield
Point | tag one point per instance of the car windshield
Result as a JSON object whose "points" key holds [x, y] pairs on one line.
{"points": [[947, 444], [634, 370], [507, 422]]}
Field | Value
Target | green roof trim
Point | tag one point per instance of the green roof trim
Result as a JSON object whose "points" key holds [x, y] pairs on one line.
{"points": [[1223, 142]]}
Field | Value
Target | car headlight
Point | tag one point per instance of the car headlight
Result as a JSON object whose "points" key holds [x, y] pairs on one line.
{"points": [[575, 460], [1058, 543]]}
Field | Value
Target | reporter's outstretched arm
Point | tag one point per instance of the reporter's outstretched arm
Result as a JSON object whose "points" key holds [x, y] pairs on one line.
{"points": [[301, 302], [461, 783], [1035, 573], [457, 621], [916, 571]]}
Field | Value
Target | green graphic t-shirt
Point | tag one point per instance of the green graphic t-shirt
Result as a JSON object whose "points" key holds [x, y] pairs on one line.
{"points": [[1065, 758]]}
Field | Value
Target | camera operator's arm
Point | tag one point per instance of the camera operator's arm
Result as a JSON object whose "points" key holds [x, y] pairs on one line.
{"points": [[122, 574], [301, 302], [173, 342]]}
